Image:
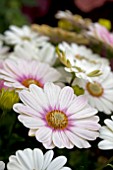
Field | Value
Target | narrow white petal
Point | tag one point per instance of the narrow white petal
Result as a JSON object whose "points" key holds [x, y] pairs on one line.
{"points": [[47, 159], [38, 158], [57, 163], [66, 97], [43, 134]]}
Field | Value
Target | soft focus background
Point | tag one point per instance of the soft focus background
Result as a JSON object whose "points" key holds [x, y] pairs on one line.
{"points": [[19, 12]]}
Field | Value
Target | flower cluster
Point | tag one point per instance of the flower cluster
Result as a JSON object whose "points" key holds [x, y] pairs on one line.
{"points": [[58, 87]]}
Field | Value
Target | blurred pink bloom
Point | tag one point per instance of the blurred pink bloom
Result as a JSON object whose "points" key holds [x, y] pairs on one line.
{"points": [[100, 32], [88, 5]]}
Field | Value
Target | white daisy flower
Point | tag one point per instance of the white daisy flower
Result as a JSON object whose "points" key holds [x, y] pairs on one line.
{"points": [[21, 73], [28, 51], [28, 159], [82, 66], [16, 35], [100, 92], [81, 52], [2, 165], [57, 117], [106, 133]]}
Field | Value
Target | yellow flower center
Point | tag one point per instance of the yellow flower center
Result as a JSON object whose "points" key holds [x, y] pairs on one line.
{"points": [[26, 38], [29, 81], [57, 119], [95, 89]]}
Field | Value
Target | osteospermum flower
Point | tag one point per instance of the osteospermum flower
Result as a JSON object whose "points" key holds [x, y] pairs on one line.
{"points": [[100, 92], [56, 117], [106, 133], [28, 159], [16, 35], [20, 73]]}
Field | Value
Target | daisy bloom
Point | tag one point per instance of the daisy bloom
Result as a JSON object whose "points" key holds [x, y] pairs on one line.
{"points": [[28, 51], [81, 52], [21, 73], [29, 159], [56, 117], [2, 165], [16, 35], [106, 133], [80, 65], [100, 92], [100, 32]]}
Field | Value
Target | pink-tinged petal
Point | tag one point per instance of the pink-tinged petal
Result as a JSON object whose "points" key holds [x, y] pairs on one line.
{"points": [[31, 122], [12, 67], [52, 91], [66, 142], [28, 99], [49, 145], [47, 158], [57, 163], [39, 95], [79, 103], [57, 140], [66, 97], [38, 158], [84, 133], [77, 141], [87, 124], [26, 110], [43, 134], [85, 113], [105, 145]]}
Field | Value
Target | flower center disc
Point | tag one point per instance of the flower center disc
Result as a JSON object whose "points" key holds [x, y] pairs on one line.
{"points": [[95, 89], [57, 119], [26, 38], [27, 82]]}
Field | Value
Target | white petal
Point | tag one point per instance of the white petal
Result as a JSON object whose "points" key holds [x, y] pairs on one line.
{"points": [[57, 163], [66, 97], [47, 159], [38, 158], [52, 91], [25, 158], [109, 124], [43, 134], [77, 141], [57, 140], [78, 103], [31, 122], [105, 145]]}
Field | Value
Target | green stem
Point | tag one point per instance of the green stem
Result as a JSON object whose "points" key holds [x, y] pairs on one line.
{"points": [[73, 78], [107, 164]]}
